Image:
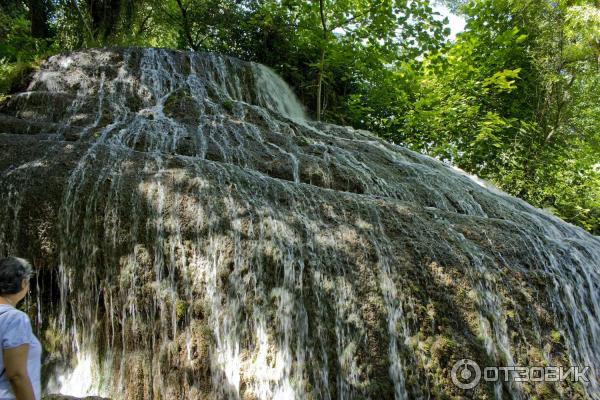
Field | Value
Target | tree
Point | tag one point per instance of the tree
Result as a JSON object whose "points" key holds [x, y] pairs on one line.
{"points": [[39, 15], [506, 101], [379, 28]]}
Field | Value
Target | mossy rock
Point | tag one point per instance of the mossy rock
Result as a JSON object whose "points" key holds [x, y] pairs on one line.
{"points": [[17, 79], [180, 105], [63, 397]]}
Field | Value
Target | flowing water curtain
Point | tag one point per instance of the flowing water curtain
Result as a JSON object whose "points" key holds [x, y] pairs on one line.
{"points": [[211, 241], [157, 81]]}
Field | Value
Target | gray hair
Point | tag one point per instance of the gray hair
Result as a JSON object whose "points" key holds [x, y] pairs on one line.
{"points": [[13, 270]]}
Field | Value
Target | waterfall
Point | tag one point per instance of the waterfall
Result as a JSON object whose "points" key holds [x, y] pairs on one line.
{"points": [[197, 236]]}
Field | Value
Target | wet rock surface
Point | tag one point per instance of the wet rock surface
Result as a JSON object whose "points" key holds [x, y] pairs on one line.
{"points": [[61, 397], [196, 237]]}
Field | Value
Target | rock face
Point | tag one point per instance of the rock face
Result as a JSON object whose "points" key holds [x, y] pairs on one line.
{"points": [[197, 238], [61, 397]]}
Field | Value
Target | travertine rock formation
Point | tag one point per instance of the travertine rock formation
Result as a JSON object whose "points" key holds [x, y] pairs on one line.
{"points": [[197, 237]]}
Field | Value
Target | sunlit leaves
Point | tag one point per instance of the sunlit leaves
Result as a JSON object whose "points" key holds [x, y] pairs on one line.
{"points": [[503, 80], [513, 101]]}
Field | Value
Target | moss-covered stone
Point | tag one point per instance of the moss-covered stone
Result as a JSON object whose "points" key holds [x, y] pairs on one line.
{"points": [[181, 106]]}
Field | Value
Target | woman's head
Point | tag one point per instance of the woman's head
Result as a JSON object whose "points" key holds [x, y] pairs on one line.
{"points": [[14, 276]]}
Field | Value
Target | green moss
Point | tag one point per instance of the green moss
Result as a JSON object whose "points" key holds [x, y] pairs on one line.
{"points": [[442, 349], [206, 335], [555, 336], [228, 105], [544, 390], [181, 308], [135, 103], [51, 341], [15, 76], [180, 105], [301, 141]]}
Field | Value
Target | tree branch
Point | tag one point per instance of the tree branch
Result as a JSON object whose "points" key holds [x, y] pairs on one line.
{"points": [[82, 19], [323, 21], [186, 25], [357, 16], [142, 27]]}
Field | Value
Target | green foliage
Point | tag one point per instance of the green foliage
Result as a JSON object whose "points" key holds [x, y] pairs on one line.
{"points": [[12, 75], [20, 52], [510, 101]]}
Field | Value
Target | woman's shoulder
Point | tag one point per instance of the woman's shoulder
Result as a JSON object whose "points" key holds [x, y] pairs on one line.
{"points": [[12, 314], [15, 328]]}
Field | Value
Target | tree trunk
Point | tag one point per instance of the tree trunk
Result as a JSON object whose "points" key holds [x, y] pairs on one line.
{"points": [[322, 64], [39, 13], [320, 84], [104, 17], [186, 26], [83, 24]]}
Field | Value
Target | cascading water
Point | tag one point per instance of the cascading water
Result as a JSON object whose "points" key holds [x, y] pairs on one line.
{"points": [[197, 237]]}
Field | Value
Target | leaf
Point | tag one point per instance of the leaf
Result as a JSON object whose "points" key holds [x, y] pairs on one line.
{"points": [[503, 80], [521, 38]]}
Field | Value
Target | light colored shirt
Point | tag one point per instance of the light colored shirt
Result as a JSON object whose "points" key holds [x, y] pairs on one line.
{"points": [[15, 330]]}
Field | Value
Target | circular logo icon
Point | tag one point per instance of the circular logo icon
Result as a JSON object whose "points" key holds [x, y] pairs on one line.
{"points": [[466, 374]]}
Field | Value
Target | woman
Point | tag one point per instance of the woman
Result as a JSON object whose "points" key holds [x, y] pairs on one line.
{"points": [[21, 351]]}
